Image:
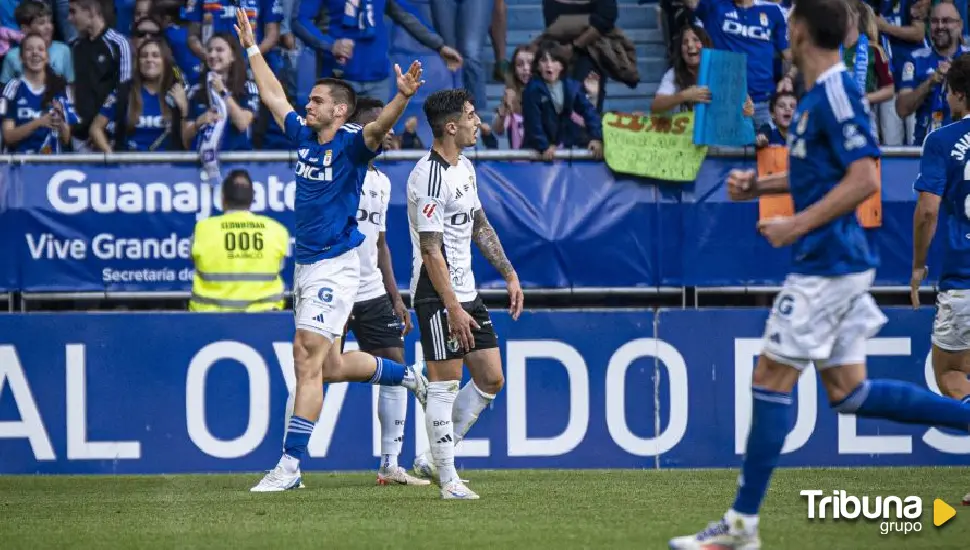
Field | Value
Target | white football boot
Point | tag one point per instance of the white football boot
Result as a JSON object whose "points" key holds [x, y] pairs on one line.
{"points": [[728, 533], [456, 490], [278, 479], [398, 476]]}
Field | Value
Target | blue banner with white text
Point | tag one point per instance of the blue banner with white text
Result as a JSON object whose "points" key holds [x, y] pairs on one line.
{"points": [[175, 393], [127, 227]]}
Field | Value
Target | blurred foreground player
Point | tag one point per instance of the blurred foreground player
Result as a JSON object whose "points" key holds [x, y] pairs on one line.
{"points": [[824, 313], [333, 159], [238, 255], [380, 320], [445, 216], [942, 182]]}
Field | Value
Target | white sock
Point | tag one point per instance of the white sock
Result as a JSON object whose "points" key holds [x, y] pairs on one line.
{"points": [[392, 410], [470, 403], [441, 401]]}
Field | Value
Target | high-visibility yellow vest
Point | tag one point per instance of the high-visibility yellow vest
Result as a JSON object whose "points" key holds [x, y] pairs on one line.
{"points": [[238, 258]]}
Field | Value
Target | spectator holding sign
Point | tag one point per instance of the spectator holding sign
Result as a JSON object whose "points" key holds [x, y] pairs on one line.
{"points": [[921, 89], [758, 30], [548, 103], [678, 91]]}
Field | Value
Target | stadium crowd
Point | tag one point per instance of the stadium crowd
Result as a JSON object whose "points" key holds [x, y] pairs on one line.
{"points": [[898, 51], [169, 75]]}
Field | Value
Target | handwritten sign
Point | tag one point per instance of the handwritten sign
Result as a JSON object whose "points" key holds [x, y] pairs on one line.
{"points": [[658, 146], [722, 121], [774, 160]]}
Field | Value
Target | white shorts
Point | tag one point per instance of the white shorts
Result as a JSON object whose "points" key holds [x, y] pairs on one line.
{"points": [[951, 327], [324, 294], [823, 320]]}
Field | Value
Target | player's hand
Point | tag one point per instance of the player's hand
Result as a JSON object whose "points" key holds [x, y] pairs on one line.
{"points": [[451, 57], [780, 231], [244, 29], [919, 275], [760, 140], [409, 82], [516, 297], [941, 70], [404, 315], [742, 185], [460, 325]]}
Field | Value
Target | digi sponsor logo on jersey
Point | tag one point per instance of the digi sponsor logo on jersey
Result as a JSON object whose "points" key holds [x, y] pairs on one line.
{"points": [[372, 217], [736, 28]]}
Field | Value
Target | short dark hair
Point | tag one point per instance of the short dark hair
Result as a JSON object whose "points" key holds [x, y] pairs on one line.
{"points": [[341, 91], [827, 21], [777, 96], [237, 190], [958, 77], [30, 10], [445, 106], [365, 105]]}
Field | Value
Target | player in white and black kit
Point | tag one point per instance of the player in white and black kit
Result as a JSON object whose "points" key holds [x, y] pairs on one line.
{"points": [[380, 320], [445, 216]]}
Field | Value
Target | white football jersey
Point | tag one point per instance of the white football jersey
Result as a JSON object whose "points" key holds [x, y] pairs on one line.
{"points": [[374, 197], [443, 198]]}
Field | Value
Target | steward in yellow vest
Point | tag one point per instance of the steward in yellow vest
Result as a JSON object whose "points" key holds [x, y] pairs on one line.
{"points": [[239, 255]]}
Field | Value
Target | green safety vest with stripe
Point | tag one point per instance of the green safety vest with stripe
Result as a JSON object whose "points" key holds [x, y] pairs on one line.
{"points": [[238, 258]]}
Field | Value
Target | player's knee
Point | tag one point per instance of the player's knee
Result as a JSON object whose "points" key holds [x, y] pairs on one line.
{"points": [[491, 383], [308, 355]]}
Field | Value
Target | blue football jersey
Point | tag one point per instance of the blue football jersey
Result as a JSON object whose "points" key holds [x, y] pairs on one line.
{"points": [[943, 172], [830, 130], [22, 104], [148, 133], [759, 31], [329, 178], [934, 112], [223, 14]]}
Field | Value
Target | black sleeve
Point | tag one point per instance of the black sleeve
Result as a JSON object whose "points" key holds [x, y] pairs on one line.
{"points": [[604, 15], [121, 117]]}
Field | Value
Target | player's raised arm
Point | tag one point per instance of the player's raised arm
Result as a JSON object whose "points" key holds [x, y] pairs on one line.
{"points": [[407, 85], [488, 242], [270, 90]]}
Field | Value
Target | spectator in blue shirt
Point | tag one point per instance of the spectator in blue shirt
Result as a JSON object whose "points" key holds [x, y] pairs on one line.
{"points": [[225, 60], [782, 110], [154, 124], [36, 108], [166, 13], [264, 15], [921, 88], [34, 17], [757, 29], [902, 28], [548, 102]]}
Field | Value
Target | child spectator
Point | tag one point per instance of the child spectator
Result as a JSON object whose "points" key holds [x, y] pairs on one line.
{"points": [[678, 90], [776, 131], [36, 109], [224, 99], [547, 106], [35, 17], [508, 119], [153, 124]]}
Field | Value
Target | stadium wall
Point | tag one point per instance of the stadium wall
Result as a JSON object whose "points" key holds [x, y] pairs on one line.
{"points": [[178, 392]]}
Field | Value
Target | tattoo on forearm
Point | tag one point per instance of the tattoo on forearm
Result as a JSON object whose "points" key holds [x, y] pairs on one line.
{"points": [[430, 242], [488, 242]]}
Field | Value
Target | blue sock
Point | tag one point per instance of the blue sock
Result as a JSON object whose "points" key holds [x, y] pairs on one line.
{"points": [[906, 403], [297, 437], [770, 422], [388, 373]]}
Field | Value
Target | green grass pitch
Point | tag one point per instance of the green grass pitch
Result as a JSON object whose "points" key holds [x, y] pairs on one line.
{"points": [[519, 509]]}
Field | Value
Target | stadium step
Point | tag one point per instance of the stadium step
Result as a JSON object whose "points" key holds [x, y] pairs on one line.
{"points": [[631, 16]]}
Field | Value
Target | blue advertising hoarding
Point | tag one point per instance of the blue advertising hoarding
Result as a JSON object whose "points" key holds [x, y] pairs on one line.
{"points": [[156, 393]]}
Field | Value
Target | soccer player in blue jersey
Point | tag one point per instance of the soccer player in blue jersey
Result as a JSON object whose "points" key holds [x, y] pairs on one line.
{"points": [[943, 182], [824, 313], [333, 161], [754, 28]]}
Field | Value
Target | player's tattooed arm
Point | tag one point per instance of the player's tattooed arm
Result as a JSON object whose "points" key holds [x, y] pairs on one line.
{"points": [[488, 242], [431, 243]]}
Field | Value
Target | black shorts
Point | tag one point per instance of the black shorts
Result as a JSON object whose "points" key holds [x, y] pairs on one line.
{"points": [[436, 340], [375, 325]]}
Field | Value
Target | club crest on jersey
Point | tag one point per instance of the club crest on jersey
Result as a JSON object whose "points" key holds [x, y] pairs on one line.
{"points": [[764, 19], [327, 157], [803, 123]]}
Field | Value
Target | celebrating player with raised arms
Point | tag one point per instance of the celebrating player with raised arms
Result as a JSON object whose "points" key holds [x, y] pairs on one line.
{"points": [[333, 160], [943, 183], [824, 313], [445, 216]]}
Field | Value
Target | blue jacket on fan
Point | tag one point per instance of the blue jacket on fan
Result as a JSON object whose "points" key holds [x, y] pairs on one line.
{"points": [[370, 62], [545, 127]]}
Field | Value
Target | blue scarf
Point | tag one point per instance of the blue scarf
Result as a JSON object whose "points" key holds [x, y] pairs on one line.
{"points": [[860, 67], [210, 138], [359, 14]]}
